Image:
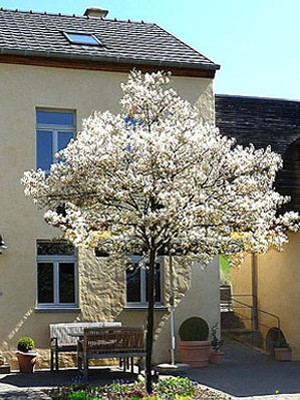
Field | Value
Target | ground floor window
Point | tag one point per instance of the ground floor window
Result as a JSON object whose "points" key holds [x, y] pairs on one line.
{"points": [[56, 274], [136, 282]]}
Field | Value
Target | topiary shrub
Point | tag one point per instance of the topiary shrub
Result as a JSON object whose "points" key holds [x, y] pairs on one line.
{"points": [[25, 344], [194, 329]]}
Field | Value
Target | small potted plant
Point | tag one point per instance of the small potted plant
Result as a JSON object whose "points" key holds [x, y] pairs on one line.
{"points": [[216, 355], [282, 350], [26, 354], [194, 345]]}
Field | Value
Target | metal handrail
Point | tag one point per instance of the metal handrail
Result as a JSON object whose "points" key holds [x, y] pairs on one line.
{"points": [[256, 309]]}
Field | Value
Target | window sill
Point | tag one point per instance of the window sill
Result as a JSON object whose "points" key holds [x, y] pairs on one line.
{"points": [[58, 310], [144, 308]]}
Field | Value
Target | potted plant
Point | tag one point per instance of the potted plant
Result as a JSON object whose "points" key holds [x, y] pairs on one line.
{"points": [[282, 350], [194, 346], [26, 354], [2, 359], [216, 355]]}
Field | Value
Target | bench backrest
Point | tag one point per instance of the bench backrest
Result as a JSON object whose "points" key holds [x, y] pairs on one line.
{"points": [[61, 331], [114, 340]]}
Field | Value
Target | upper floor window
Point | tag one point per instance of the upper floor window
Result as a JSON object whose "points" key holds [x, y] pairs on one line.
{"points": [[54, 130], [136, 282], [56, 274]]}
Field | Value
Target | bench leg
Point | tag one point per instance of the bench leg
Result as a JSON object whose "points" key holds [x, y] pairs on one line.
{"points": [[52, 360], [85, 365], [56, 360], [140, 364], [79, 362], [132, 365]]}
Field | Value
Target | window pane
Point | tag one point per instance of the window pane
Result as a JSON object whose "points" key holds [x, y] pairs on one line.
{"points": [[157, 283], [81, 38], [66, 283], [63, 139], [44, 150], [55, 117], [45, 283], [133, 284], [55, 249]]}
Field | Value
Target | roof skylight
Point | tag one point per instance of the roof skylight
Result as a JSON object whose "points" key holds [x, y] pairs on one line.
{"points": [[82, 38]]}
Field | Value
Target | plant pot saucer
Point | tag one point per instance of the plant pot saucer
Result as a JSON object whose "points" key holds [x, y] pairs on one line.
{"points": [[172, 369]]}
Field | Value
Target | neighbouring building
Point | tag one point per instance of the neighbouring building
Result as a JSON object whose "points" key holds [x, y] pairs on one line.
{"points": [[271, 280], [54, 71]]}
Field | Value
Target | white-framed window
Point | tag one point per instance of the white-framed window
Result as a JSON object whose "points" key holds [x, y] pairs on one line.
{"points": [[54, 130], [57, 281], [136, 282]]}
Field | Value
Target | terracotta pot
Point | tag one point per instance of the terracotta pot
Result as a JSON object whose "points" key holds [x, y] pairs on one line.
{"points": [[26, 361], [196, 354], [216, 357], [282, 354]]}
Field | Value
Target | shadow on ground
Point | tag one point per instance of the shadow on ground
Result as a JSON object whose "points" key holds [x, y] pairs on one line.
{"points": [[65, 377], [247, 372]]}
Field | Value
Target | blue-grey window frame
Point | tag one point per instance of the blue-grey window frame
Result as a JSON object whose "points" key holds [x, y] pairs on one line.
{"points": [[54, 128]]}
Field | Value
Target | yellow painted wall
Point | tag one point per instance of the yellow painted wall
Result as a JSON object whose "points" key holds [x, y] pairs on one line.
{"points": [[102, 285], [278, 289]]}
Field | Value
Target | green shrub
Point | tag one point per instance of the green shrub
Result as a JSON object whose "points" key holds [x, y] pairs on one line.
{"points": [[281, 343], [25, 344], [194, 329], [177, 387], [82, 395]]}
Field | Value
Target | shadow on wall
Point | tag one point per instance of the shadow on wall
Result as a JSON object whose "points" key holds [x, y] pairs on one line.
{"points": [[199, 295]]}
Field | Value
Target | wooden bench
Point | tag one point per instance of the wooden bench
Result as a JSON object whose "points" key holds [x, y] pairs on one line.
{"points": [[124, 343], [62, 341]]}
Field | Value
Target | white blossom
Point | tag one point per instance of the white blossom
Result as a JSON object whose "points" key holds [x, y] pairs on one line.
{"points": [[166, 181]]}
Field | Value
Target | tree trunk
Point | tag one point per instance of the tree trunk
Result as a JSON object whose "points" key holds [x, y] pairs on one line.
{"points": [[150, 319]]}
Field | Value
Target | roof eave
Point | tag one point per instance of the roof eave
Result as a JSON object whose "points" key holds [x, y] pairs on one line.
{"points": [[122, 60]]}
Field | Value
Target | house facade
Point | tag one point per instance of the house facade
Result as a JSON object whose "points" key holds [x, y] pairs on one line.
{"points": [[55, 70], [270, 281]]}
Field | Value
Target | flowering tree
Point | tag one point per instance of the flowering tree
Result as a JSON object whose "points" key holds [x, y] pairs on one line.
{"points": [[156, 180]]}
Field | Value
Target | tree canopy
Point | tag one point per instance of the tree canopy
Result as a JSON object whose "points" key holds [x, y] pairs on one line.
{"points": [[156, 172], [155, 179]]}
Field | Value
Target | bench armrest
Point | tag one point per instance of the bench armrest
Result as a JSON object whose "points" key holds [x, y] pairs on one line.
{"points": [[54, 341]]}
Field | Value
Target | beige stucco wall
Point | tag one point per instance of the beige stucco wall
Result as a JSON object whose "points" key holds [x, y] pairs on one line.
{"points": [[278, 289], [102, 286]]}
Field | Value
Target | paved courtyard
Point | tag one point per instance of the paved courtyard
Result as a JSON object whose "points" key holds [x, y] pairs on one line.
{"points": [[244, 373], [247, 372]]}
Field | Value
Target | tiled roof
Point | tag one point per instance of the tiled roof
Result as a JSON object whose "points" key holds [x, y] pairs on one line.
{"points": [[266, 121], [41, 34]]}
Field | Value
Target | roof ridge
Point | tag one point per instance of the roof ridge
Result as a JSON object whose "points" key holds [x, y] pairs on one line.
{"points": [[72, 16], [218, 66], [256, 97]]}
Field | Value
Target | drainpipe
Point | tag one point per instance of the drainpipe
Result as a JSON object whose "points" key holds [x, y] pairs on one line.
{"points": [[172, 321], [254, 292]]}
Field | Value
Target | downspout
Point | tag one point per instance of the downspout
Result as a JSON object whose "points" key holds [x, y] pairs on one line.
{"points": [[254, 273], [172, 322]]}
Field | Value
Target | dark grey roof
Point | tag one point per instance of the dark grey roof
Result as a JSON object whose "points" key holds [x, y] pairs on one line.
{"points": [[263, 122], [37, 34]]}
